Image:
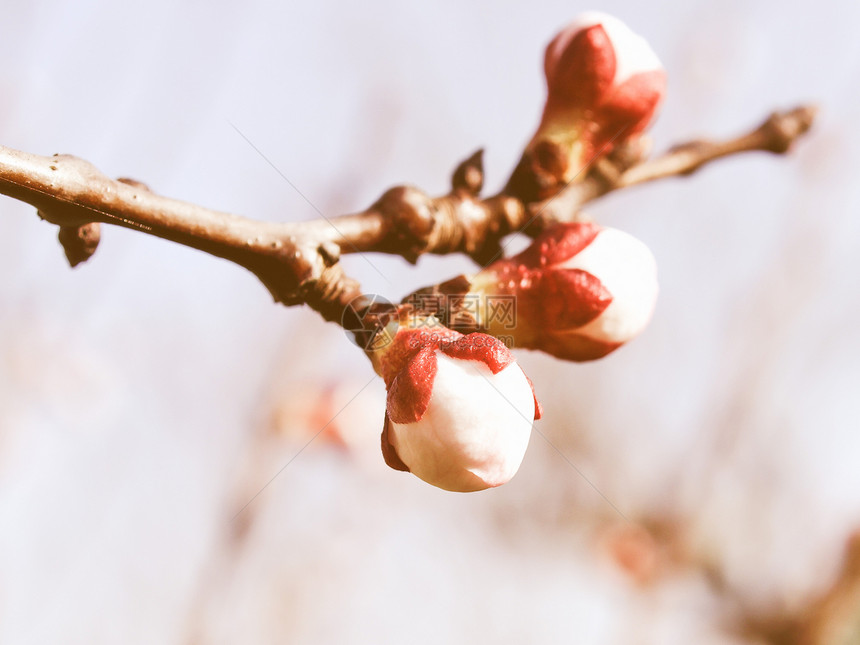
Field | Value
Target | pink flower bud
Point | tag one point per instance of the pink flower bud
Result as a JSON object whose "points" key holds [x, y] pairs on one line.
{"points": [[581, 290], [460, 409], [598, 63], [604, 85], [598, 69]]}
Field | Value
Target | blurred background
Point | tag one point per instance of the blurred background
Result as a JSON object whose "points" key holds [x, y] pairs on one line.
{"points": [[181, 461]]}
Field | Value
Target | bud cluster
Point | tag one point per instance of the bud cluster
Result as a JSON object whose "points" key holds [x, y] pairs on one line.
{"points": [[459, 408]]}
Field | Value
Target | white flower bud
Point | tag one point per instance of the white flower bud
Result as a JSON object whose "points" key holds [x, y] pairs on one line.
{"points": [[460, 411]]}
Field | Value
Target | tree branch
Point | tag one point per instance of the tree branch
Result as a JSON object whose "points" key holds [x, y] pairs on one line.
{"points": [[776, 134], [298, 261]]}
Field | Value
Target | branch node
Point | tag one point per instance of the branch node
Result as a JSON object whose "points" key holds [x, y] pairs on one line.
{"points": [[329, 293], [79, 243], [128, 181], [782, 128], [412, 215], [469, 175], [540, 172], [330, 253]]}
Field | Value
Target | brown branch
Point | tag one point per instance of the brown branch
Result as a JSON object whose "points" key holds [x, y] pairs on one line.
{"points": [[776, 135], [298, 262]]}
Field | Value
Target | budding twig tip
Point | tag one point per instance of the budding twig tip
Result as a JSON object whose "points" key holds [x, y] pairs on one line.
{"points": [[469, 174], [79, 243]]}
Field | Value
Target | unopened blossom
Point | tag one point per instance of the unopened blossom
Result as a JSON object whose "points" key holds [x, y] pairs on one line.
{"points": [[580, 291], [604, 86], [459, 408]]}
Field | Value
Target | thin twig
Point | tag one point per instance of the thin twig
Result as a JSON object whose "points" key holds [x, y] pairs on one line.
{"points": [[776, 135]]}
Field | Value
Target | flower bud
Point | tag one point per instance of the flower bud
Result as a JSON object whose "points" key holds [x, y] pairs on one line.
{"points": [[604, 85], [581, 291], [459, 410], [597, 63]]}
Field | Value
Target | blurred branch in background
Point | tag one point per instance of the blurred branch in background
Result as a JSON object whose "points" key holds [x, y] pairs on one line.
{"points": [[832, 619]]}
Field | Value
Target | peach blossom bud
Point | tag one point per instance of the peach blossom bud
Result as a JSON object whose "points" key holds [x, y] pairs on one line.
{"points": [[581, 290], [459, 411], [598, 64], [604, 85]]}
